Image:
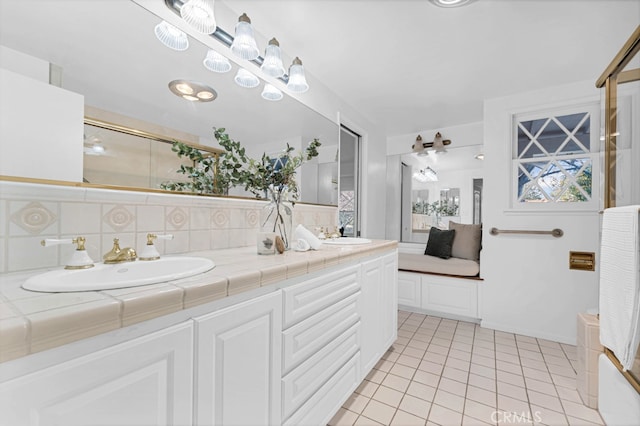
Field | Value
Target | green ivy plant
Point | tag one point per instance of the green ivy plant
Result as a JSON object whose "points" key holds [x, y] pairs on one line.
{"points": [[215, 175]]}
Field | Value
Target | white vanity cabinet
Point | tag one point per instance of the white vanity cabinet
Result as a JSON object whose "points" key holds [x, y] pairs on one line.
{"points": [[142, 382], [238, 352], [290, 353]]}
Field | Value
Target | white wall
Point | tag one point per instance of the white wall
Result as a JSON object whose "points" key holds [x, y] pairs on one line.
{"points": [[41, 129], [26, 65], [527, 286]]}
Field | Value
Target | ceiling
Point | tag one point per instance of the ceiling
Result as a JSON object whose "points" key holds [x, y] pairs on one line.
{"points": [[406, 65], [409, 65]]}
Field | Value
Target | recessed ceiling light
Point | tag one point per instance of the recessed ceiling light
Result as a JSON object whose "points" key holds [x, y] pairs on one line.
{"points": [[186, 89], [450, 3]]}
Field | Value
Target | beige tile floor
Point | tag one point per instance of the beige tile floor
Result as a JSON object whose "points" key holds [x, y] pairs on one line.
{"points": [[446, 372]]}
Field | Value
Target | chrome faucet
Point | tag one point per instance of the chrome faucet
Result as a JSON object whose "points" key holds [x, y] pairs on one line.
{"points": [[118, 255]]}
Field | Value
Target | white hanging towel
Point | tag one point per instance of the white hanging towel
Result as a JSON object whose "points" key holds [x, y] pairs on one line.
{"points": [[620, 283]]}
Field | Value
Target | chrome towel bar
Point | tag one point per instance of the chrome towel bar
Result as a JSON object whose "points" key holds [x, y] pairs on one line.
{"points": [[555, 232]]}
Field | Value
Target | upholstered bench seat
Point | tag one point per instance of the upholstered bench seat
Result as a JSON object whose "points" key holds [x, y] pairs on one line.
{"points": [[423, 263]]}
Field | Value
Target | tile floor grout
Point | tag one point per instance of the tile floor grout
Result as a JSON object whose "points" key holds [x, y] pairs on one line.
{"points": [[437, 387]]}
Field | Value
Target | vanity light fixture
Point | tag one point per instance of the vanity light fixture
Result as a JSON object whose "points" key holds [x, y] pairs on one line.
{"points": [[199, 14], [216, 62], [244, 44], [271, 93], [192, 91], [245, 79], [451, 3], [272, 64], [438, 145], [171, 36], [297, 81]]}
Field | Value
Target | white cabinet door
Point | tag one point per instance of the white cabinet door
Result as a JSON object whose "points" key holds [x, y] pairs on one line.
{"points": [[389, 306], [372, 317], [409, 289], [146, 381], [238, 366], [379, 281]]}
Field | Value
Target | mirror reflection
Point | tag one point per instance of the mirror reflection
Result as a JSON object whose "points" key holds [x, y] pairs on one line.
{"points": [[121, 68], [439, 188]]}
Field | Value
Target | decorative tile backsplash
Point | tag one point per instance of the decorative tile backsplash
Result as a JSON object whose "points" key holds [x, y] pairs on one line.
{"points": [[31, 212]]}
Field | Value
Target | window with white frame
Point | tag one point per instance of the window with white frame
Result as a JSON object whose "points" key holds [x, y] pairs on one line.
{"points": [[555, 157]]}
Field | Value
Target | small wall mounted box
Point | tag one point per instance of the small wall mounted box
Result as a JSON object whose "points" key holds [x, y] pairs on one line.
{"points": [[582, 260]]}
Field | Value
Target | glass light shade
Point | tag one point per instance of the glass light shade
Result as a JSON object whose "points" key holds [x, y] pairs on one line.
{"points": [[438, 145], [418, 147], [297, 81], [171, 36], [271, 93], [216, 62], [244, 78], [272, 65], [244, 44], [199, 14]]}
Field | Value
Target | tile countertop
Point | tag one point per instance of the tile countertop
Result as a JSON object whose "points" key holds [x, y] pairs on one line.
{"points": [[31, 322]]}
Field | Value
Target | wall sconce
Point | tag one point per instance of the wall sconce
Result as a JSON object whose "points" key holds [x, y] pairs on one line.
{"points": [[438, 145]]}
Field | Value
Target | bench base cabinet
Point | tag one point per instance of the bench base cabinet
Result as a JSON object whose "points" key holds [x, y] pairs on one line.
{"points": [[439, 294], [290, 356]]}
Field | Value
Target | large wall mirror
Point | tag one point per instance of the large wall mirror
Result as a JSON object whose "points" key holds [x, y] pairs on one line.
{"points": [[108, 52], [439, 188]]}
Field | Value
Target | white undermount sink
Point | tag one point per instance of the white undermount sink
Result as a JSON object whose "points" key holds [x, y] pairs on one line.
{"points": [[129, 274], [346, 241]]}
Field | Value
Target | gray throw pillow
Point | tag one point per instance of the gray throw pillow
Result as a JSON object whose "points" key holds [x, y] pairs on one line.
{"points": [[468, 241], [440, 243]]}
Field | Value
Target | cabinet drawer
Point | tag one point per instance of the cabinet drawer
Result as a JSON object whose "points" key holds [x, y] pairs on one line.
{"points": [[305, 299], [309, 336], [305, 380], [319, 409]]}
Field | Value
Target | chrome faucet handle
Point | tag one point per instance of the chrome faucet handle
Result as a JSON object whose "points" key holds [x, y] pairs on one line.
{"points": [[80, 259]]}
